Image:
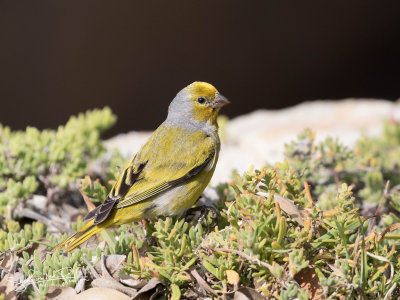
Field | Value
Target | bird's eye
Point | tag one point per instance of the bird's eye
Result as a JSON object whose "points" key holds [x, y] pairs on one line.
{"points": [[201, 100]]}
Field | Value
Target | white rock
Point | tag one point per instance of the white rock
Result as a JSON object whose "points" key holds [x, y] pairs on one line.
{"points": [[127, 143]]}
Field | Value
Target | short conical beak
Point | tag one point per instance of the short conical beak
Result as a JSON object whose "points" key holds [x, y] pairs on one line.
{"points": [[221, 101]]}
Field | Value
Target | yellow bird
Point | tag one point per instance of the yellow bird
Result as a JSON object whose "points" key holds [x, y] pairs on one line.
{"points": [[170, 171]]}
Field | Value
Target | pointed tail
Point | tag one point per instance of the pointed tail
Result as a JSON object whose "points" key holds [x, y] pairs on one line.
{"points": [[79, 237]]}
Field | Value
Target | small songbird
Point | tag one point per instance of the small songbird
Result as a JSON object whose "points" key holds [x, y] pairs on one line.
{"points": [[170, 171]]}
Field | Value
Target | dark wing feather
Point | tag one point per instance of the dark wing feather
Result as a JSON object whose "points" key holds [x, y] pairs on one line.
{"points": [[121, 187], [91, 214], [104, 210]]}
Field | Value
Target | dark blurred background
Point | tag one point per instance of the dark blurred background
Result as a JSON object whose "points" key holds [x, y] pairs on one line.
{"points": [[58, 58]]}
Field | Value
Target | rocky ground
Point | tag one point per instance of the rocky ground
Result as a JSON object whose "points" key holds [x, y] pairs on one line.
{"points": [[260, 136]]}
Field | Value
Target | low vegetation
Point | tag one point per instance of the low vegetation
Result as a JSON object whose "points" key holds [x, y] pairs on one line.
{"points": [[324, 223]]}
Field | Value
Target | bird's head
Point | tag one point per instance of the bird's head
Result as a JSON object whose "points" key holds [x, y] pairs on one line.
{"points": [[199, 101]]}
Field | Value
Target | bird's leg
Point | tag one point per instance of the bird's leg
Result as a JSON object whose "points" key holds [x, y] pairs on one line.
{"points": [[204, 209]]}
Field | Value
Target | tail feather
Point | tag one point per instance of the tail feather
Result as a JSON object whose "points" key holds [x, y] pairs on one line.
{"points": [[79, 237]]}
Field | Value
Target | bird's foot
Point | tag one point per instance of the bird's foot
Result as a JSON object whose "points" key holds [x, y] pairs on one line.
{"points": [[204, 209]]}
